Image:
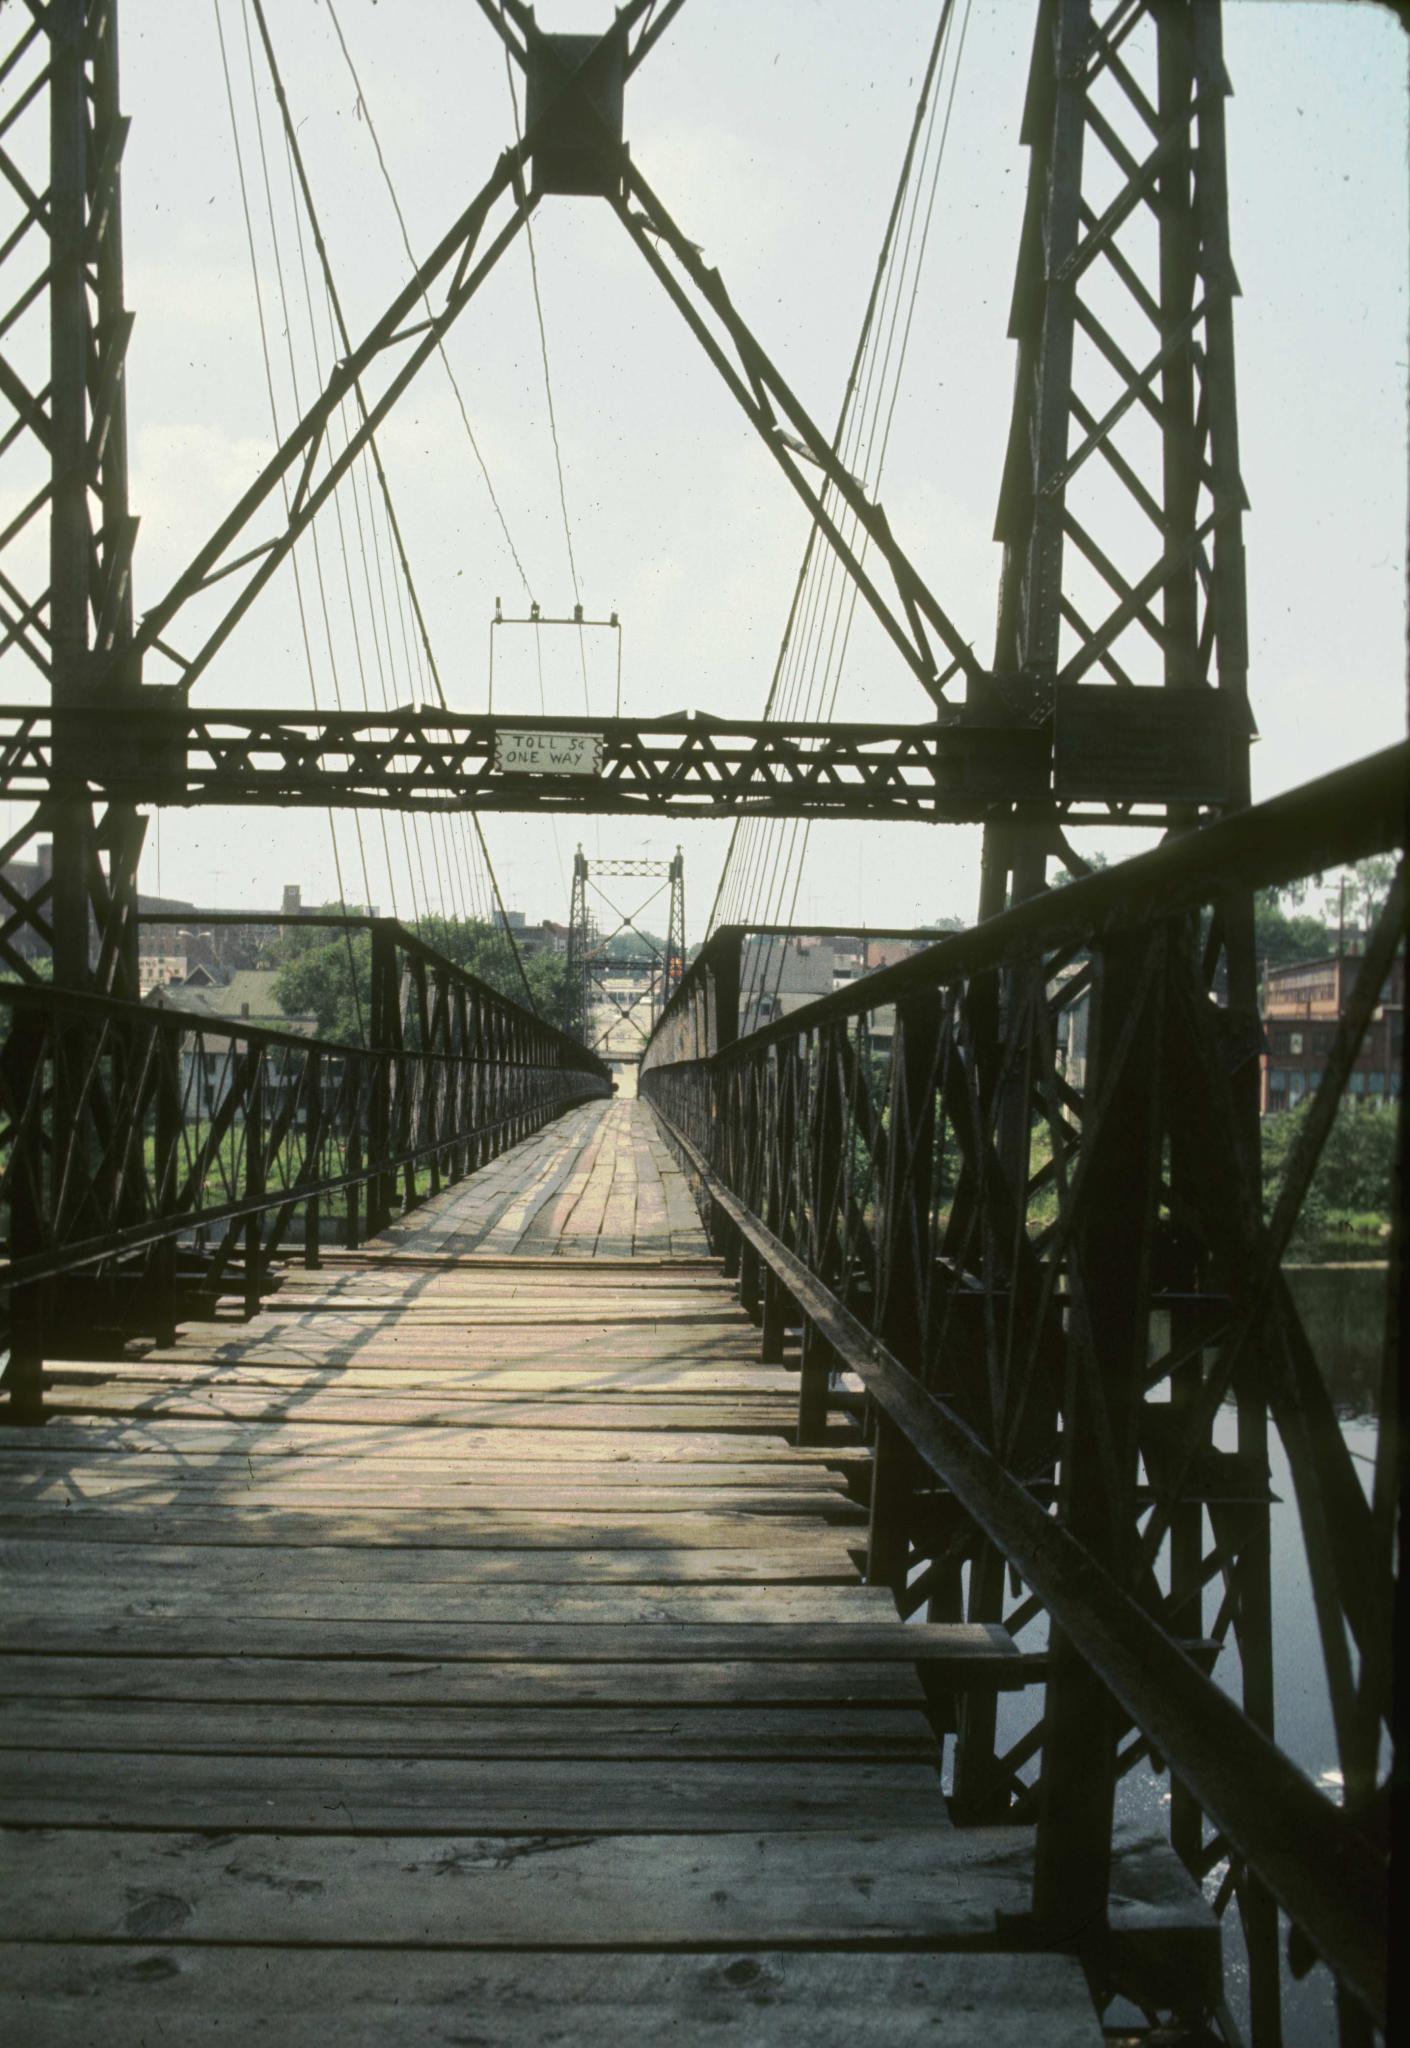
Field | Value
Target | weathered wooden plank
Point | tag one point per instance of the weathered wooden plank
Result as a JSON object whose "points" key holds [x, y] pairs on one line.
{"points": [[64, 1600], [69, 1572], [413, 1795], [162, 1492], [370, 1681], [944, 1888], [749, 1414], [716, 1734], [613, 1444], [451, 1379], [377, 1254], [918, 1886], [393, 1525], [108, 1464], [420, 1999], [628, 1317], [383, 1344], [966, 1652]]}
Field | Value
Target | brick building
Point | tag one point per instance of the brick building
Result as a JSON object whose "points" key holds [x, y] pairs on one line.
{"points": [[1301, 1006]]}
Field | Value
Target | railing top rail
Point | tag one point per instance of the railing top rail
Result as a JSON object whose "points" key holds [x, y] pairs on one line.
{"points": [[45, 999], [408, 941], [831, 931], [1341, 817]]}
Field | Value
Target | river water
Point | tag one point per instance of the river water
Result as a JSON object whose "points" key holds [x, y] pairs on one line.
{"points": [[1343, 1310]]}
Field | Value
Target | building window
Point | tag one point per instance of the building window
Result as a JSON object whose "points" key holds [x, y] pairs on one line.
{"points": [[1357, 1084], [1277, 1081], [1376, 1082], [1314, 1079]]}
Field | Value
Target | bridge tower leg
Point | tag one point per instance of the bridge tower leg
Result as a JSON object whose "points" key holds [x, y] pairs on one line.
{"points": [[673, 966], [1120, 518], [68, 455], [68, 905], [575, 999]]}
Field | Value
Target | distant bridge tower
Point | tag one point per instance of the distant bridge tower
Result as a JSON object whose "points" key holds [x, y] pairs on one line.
{"points": [[616, 992]]}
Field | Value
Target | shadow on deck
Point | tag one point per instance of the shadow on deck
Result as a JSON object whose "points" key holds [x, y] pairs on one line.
{"points": [[464, 1649]]}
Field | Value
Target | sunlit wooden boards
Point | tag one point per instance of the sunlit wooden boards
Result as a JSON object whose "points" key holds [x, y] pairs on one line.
{"points": [[463, 1650], [599, 1182], [430, 1999]]}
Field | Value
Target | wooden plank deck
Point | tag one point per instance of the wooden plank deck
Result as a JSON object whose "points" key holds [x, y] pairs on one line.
{"points": [[599, 1183], [462, 1651]]}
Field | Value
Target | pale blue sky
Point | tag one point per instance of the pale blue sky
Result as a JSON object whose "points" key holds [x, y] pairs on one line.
{"points": [[774, 129]]}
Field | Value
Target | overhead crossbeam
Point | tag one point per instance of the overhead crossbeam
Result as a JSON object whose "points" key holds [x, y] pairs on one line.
{"points": [[424, 759], [1151, 749]]}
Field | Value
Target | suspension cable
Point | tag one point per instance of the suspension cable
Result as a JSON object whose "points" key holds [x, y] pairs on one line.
{"points": [[765, 859], [885, 439], [361, 665], [294, 563], [299, 180], [406, 243]]}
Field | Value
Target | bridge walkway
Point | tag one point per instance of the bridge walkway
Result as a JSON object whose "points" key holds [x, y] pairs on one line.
{"points": [[461, 1651]]}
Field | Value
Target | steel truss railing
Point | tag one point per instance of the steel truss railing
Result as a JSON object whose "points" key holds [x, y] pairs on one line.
{"points": [[1045, 1361], [152, 1157]]}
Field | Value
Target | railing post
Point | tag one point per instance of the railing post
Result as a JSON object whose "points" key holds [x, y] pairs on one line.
{"points": [[892, 1490], [354, 1166], [458, 1081], [23, 1056], [313, 1148], [778, 1303], [385, 1034], [824, 1156], [726, 952], [254, 1178], [1108, 1329], [161, 1260], [750, 1281], [905, 1252], [819, 1362]]}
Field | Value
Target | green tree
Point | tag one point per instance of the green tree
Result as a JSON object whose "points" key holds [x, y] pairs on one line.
{"points": [[1367, 887], [632, 945], [1351, 1189], [1061, 875], [1283, 934], [558, 1000], [327, 975]]}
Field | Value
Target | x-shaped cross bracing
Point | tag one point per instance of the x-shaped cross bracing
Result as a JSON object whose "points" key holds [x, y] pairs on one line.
{"points": [[414, 325]]}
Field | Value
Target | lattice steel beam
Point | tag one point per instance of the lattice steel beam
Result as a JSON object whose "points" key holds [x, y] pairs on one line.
{"points": [[64, 333], [160, 750]]}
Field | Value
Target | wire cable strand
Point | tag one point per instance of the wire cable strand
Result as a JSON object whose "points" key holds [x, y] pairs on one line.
{"points": [[298, 580], [466, 870], [406, 244], [765, 860]]}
